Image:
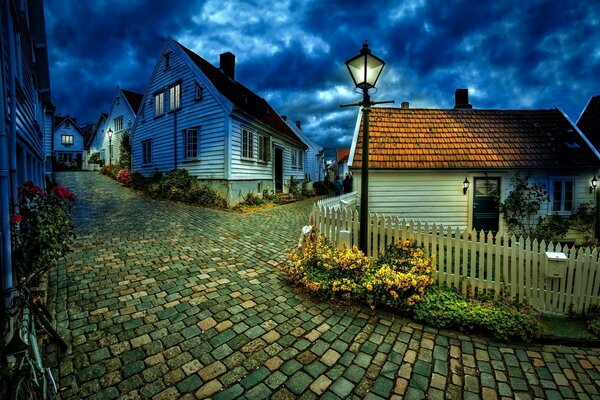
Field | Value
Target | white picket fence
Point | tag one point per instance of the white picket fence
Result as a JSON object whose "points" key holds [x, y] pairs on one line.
{"points": [[478, 262]]}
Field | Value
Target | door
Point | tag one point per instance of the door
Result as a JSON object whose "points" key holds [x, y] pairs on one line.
{"points": [[486, 210], [278, 169]]}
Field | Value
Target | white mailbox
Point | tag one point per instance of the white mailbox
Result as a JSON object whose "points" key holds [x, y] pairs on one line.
{"points": [[556, 264]]}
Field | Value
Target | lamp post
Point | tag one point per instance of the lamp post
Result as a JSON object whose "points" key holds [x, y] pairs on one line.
{"points": [[110, 134], [365, 69]]}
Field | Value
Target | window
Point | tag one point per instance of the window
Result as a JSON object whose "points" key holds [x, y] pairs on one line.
{"points": [[175, 97], [67, 139], [190, 142], [147, 151], [563, 195], [198, 95], [67, 124], [247, 143], [294, 157], [159, 104], [264, 148], [118, 122], [300, 158], [167, 60]]}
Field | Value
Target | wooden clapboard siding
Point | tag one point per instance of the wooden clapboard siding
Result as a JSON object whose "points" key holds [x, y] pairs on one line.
{"points": [[62, 129], [119, 108], [208, 115]]}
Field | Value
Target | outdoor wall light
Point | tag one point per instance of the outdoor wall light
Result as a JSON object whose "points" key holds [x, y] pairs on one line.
{"points": [[593, 183], [465, 185]]}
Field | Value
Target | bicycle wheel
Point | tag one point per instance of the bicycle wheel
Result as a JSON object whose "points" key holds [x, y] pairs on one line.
{"points": [[23, 387]]}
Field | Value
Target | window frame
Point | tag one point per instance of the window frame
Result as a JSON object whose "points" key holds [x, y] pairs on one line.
{"points": [[247, 144], [178, 97], [64, 142], [563, 200], [146, 151], [198, 92], [161, 96], [186, 143], [264, 148], [118, 123]]}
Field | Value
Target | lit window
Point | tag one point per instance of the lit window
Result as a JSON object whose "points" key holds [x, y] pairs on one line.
{"points": [[190, 139], [66, 139], [264, 147], [563, 195], [175, 97], [147, 151], [247, 144], [118, 122], [159, 104]]}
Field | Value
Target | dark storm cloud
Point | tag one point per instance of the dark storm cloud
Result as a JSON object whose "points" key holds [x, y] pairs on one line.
{"points": [[510, 54]]}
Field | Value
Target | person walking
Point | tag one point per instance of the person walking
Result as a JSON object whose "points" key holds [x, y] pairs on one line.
{"points": [[338, 186], [348, 183]]}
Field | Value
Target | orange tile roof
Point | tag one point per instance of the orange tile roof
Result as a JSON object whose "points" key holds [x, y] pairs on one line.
{"points": [[342, 153], [461, 138]]}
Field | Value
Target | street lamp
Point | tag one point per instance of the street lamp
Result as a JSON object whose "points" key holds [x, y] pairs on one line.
{"points": [[365, 69], [110, 133]]}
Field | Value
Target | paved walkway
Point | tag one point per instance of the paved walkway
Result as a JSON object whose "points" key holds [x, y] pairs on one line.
{"points": [[162, 301]]}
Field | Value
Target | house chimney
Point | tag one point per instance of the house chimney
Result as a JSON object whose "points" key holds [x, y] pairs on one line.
{"points": [[461, 98], [227, 64], [284, 117], [404, 105], [299, 124]]}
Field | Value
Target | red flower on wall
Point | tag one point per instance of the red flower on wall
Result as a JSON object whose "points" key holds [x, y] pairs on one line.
{"points": [[16, 219]]}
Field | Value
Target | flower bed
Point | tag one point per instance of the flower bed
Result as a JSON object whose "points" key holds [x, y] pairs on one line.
{"points": [[42, 231], [401, 278]]}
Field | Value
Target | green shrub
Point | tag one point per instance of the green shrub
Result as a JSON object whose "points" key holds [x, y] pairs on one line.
{"points": [[251, 199], [110, 170], [94, 158], [203, 195], [320, 188], [592, 318], [42, 231], [139, 181], [501, 318], [125, 151], [175, 179]]}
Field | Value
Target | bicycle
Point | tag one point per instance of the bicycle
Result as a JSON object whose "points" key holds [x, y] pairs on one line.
{"points": [[31, 380]]}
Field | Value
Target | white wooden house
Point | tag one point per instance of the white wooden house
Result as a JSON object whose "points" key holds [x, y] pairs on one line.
{"points": [[198, 117], [26, 112], [419, 160], [120, 118], [68, 142], [94, 142], [313, 157]]}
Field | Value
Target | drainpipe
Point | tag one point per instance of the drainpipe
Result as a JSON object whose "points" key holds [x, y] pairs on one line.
{"points": [[175, 139]]}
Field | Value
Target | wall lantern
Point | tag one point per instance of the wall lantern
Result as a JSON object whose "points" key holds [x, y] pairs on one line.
{"points": [[593, 184], [465, 185]]}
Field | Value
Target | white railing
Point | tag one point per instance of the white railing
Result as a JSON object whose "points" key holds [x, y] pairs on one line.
{"points": [[343, 201], [472, 261]]}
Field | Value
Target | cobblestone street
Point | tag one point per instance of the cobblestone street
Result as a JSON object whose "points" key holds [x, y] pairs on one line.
{"points": [[160, 300]]}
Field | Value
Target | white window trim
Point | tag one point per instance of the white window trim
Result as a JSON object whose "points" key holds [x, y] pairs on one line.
{"points": [[172, 91], [251, 156], [562, 201], [120, 120], [264, 148], [185, 143], [161, 96]]}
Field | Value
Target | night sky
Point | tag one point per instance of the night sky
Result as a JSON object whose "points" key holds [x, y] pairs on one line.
{"points": [[510, 54]]}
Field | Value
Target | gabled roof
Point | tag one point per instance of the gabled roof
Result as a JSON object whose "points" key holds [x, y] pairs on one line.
{"points": [[97, 125], [303, 136], [466, 138], [589, 121], [59, 120], [342, 155], [134, 99], [243, 98]]}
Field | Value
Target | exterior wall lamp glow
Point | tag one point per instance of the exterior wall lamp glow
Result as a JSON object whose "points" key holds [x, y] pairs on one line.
{"points": [[593, 184], [110, 135], [365, 69], [465, 185]]}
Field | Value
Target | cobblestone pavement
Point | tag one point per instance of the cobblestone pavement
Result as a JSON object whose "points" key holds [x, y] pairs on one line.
{"points": [[162, 301]]}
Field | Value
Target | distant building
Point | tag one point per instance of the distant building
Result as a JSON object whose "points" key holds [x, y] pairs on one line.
{"points": [[197, 117], [26, 111], [313, 157], [68, 143]]}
